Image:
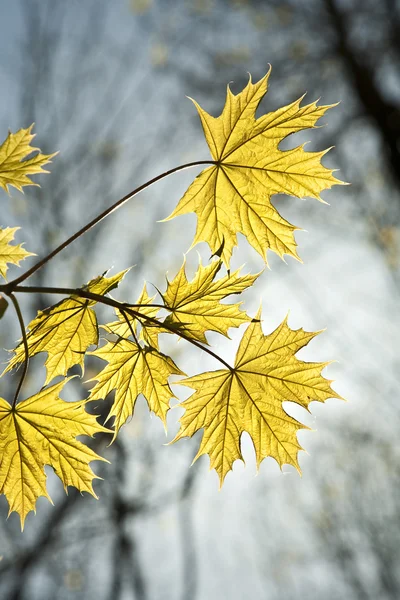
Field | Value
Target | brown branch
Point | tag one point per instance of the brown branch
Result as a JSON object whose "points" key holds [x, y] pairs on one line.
{"points": [[100, 217], [121, 306], [26, 349]]}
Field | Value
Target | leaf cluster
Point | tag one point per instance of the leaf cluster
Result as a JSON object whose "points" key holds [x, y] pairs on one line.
{"points": [[231, 195]]}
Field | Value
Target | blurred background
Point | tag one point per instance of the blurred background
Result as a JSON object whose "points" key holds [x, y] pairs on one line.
{"points": [[105, 84]]}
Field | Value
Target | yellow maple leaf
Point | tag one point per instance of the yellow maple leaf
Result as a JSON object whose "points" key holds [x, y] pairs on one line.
{"points": [[133, 370], [249, 398], [234, 195], [39, 431], [195, 306], [65, 331], [14, 164], [10, 253]]}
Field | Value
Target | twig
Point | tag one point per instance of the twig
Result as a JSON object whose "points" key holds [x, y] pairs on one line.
{"points": [[102, 216], [25, 342], [121, 306]]}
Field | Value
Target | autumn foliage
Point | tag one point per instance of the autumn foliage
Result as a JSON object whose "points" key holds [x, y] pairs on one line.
{"points": [[231, 195]]}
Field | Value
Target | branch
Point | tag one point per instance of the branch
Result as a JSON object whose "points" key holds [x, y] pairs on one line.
{"points": [[25, 342], [100, 217], [121, 306]]}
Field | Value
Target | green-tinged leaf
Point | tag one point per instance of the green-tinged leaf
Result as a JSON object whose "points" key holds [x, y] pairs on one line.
{"points": [[10, 253], [102, 285], [14, 164]]}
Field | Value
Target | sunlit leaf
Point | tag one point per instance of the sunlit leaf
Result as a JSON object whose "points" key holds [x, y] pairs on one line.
{"points": [[10, 253], [249, 398], [65, 331], [15, 166], [133, 370], [42, 430], [196, 305], [234, 195]]}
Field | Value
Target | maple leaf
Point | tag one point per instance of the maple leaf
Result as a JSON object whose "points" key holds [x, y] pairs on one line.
{"points": [[14, 164], [195, 306], [10, 253], [234, 195], [249, 398], [133, 370], [39, 431], [65, 331]]}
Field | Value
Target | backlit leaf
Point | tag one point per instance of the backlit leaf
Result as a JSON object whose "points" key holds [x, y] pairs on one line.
{"points": [[196, 305], [10, 253], [14, 164], [234, 195], [133, 370], [249, 398], [42, 430], [65, 331]]}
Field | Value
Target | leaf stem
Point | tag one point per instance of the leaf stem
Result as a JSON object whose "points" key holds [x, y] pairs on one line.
{"points": [[183, 336], [25, 342], [121, 306], [100, 217], [133, 334]]}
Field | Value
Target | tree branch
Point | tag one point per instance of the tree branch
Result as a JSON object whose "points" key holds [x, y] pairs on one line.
{"points": [[102, 216]]}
